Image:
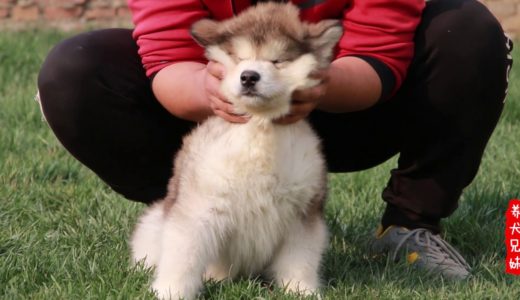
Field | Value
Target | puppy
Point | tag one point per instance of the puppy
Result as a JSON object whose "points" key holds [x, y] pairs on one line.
{"points": [[246, 199]]}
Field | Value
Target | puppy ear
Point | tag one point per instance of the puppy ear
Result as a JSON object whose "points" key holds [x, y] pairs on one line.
{"points": [[323, 37], [205, 32]]}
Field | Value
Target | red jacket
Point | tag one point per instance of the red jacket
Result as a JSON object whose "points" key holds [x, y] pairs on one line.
{"points": [[378, 29]]}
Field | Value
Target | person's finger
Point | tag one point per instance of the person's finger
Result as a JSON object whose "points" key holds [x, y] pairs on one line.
{"points": [[299, 110], [215, 92], [230, 117], [213, 88], [301, 96], [302, 112], [302, 107], [309, 95], [289, 119], [216, 69], [321, 74], [221, 104], [226, 110]]}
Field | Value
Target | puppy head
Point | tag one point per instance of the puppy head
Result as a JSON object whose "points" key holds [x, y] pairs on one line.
{"points": [[268, 53]]}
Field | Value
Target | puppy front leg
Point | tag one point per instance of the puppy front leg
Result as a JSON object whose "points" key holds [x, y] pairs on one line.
{"points": [[296, 266], [219, 270], [187, 248], [146, 238]]}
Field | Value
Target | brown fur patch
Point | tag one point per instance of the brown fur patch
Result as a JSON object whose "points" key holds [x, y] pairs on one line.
{"points": [[205, 32], [261, 25], [266, 22], [269, 22], [173, 184], [317, 205]]}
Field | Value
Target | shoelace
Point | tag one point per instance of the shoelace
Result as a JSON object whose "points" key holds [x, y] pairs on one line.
{"points": [[440, 250]]}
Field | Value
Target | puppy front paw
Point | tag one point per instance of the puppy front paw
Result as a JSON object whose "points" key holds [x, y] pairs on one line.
{"points": [[166, 290], [303, 288]]}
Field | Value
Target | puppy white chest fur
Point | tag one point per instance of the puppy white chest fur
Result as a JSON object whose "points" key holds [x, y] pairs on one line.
{"points": [[256, 178]]}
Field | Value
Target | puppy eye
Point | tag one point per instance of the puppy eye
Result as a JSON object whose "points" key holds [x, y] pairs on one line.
{"points": [[236, 58], [278, 62]]}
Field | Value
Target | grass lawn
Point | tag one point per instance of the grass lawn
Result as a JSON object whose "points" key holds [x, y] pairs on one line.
{"points": [[63, 233]]}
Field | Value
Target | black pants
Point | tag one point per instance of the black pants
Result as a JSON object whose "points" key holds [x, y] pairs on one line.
{"points": [[99, 103]]}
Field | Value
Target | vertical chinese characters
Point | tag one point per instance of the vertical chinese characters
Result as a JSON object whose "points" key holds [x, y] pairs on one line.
{"points": [[512, 240]]}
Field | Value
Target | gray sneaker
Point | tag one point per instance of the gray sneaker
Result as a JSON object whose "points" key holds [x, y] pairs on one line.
{"points": [[423, 249]]}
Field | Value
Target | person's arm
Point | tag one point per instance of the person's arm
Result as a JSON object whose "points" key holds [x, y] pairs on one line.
{"points": [[373, 56], [191, 91], [349, 84], [350, 78], [381, 33], [183, 81], [161, 30], [178, 89]]}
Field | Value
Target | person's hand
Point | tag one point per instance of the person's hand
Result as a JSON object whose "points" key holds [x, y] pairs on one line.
{"points": [[221, 107], [306, 100]]}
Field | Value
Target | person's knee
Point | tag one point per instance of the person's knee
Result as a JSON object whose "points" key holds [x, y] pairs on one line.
{"points": [[466, 29], [68, 65], [63, 86], [463, 45], [484, 31], [72, 56], [480, 47]]}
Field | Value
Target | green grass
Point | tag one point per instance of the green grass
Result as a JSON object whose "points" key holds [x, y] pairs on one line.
{"points": [[63, 233]]}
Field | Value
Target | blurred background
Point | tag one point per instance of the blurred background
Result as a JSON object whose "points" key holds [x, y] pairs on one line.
{"points": [[82, 14]]}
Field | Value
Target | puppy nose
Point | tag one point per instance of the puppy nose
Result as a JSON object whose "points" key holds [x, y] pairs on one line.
{"points": [[249, 78]]}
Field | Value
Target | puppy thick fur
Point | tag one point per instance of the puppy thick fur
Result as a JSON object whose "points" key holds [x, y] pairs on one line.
{"points": [[246, 199]]}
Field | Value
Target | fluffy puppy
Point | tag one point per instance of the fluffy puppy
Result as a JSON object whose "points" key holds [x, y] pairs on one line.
{"points": [[246, 199]]}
